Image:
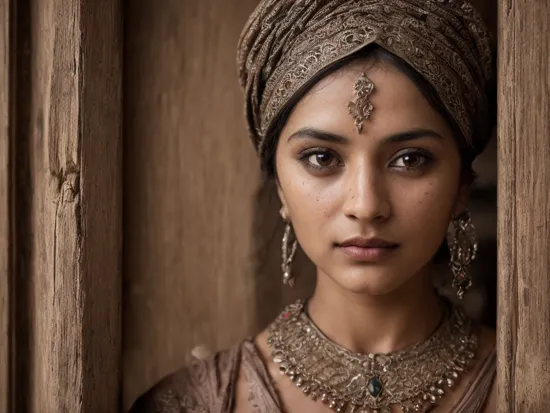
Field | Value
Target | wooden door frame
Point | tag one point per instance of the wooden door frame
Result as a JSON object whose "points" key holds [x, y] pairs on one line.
{"points": [[523, 207], [523, 213], [5, 210], [60, 125]]}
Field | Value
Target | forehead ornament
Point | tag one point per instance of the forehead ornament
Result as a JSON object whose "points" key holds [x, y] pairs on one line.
{"points": [[361, 107]]}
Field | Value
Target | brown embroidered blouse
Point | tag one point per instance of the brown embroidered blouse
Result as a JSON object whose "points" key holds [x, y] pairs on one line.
{"points": [[208, 386]]}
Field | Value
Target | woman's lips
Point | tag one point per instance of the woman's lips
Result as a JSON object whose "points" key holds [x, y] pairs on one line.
{"points": [[367, 254]]}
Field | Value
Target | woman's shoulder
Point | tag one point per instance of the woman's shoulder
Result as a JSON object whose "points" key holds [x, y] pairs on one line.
{"points": [[199, 387]]}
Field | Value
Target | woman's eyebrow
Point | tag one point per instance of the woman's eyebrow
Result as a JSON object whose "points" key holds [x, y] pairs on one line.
{"points": [[335, 138], [318, 134], [413, 134]]}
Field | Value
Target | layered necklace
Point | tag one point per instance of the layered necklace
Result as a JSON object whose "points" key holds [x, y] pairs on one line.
{"points": [[414, 378]]}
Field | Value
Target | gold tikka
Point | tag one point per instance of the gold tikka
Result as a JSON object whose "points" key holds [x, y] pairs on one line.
{"points": [[361, 108], [414, 378]]}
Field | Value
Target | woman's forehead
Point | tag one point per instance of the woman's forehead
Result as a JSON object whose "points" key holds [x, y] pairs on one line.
{"points": [[397, 102]]}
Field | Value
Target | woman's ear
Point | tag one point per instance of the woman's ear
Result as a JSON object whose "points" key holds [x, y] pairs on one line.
{"points": [[284, 208], [461, 199]]}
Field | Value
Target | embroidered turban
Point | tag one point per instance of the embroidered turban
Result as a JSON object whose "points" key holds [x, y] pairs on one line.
{"points": [[286, 43]]}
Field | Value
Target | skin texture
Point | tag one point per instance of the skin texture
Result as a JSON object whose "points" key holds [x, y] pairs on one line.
{"points": [[368, 184]]}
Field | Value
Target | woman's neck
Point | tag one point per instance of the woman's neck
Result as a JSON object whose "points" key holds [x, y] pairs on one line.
{"points": [[376, 324]]}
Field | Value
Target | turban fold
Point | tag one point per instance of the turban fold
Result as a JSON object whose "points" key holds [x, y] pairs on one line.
{"points": [[286, 43]]}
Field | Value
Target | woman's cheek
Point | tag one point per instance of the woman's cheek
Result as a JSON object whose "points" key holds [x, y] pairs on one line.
{"points": [[431, 195], [311, 208], [428, 211], [309, 205]]}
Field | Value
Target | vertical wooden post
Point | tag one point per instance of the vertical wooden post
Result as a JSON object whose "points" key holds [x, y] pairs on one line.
{"points": [[65, 133], [4, 204], [524, 207]]}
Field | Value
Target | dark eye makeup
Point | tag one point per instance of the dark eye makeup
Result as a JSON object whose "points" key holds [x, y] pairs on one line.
{"points": [[321, 159], [412, 159]]}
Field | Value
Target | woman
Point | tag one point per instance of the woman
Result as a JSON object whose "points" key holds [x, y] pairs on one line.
{"points": [[368, 115]]}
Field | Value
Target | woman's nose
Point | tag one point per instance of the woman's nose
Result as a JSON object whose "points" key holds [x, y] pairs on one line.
{"points": [[366, 196]]}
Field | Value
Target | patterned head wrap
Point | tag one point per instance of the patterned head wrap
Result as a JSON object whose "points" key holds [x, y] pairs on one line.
{"points": [[285, 43]]}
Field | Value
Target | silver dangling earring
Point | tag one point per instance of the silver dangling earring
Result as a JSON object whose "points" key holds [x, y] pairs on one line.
{"points": [[463, 251], [288, 252]]}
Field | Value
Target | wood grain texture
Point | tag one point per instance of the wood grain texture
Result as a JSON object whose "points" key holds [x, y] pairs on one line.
{"points": [[524, 207], [5, 197], [68, 206], [190, 177], [101, 194]]}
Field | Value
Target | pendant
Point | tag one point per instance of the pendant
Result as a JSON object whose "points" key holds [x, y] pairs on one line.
{"points": [[375, 386], [412, 378]]}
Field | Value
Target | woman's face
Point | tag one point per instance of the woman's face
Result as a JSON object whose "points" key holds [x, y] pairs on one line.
{"points": [[398, 180]]}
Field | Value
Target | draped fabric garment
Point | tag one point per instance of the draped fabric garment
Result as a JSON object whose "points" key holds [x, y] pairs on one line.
{"points": [[285, 43], [208, 386]]}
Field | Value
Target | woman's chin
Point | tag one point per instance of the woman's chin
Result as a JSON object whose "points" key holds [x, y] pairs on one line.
{"points": [[375, 282]]}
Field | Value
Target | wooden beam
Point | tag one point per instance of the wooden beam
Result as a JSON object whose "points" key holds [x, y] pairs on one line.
{"points": [[68, 196], [524, 207], [5, 198]]}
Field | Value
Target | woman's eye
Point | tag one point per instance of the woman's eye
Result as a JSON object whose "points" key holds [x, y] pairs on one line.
{"points": [[411, 160], [322, 159]]}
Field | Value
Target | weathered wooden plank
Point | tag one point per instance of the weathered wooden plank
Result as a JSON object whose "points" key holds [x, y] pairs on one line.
{"points": [[524, 207], [69, 200], [56, 345], [5, 198], [101, 189]]}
